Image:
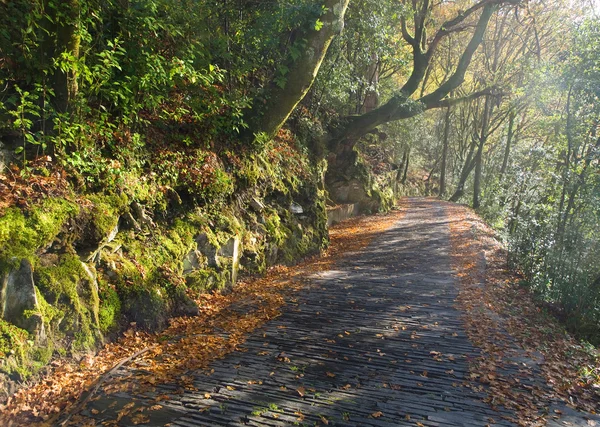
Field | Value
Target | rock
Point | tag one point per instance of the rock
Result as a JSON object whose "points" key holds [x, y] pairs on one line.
{"points": [[256, 204], [17, 297], [140, 213], [231, 250], [208, 250], [193, 261], [227, 257], [47, 260], [342, 212], [183, 305], [348, 192], [272, 254], [111, 236], [296, 209], [130, 222]]}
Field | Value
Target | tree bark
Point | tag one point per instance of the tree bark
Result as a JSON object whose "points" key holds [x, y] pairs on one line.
{"points": [[466, 171], [509, 139], [283, 100], [68, 42], [402, 106], [444, 153], [485, 122]]}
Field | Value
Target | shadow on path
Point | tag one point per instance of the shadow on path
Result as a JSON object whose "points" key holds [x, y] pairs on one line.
{"points": [[376, 341]]}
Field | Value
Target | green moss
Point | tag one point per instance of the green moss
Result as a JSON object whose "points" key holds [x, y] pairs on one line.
{"points": [[206, 280], [22, 234], [165, 250], [70, 289], [13, 340], [19, 357], [384, 199], [106, 211], [46, 311], [49, 218], [276, 231], [110, 307]]}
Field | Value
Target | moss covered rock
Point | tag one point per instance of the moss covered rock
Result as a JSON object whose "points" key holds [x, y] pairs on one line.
{"points": [[71, 288]]}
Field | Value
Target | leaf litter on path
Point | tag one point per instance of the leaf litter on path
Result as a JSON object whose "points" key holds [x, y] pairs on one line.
{"points": [[528, 360], [188, 344]]}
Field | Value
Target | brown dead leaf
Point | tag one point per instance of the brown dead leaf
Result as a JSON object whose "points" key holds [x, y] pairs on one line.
{"points": [[140, 418]]}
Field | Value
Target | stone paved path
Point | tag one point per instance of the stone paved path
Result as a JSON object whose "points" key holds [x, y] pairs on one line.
{"points": [[375, 342]]}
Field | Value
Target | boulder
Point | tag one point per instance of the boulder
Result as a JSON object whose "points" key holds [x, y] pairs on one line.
{"points": [[350, 192], [192, 261], [223, 259], [18, 300], [206, 248]]}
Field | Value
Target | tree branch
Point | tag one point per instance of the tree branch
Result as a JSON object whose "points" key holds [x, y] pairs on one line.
{"points": [[457, 78], [409, 39], [449, 102]]}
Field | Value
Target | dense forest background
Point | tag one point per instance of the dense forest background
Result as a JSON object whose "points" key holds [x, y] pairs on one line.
{"points": [[128, 126]]}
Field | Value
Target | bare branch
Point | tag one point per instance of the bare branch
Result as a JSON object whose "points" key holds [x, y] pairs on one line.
{"points": [[449, 102]]}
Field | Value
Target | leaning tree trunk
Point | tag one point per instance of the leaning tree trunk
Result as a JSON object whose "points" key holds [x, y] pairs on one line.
{"points": [[342, 158], [402, 106], [282, 100], [466, 171]]}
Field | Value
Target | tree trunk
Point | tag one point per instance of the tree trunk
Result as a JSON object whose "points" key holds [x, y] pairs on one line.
{"points": [[466, 171], [303, 70], [485, 122], [509, 139], [401, 106], [406, 163], [67, 43], [444, 153]]}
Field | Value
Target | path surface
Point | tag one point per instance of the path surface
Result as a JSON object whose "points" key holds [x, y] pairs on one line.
{"points": [[377, 341]]}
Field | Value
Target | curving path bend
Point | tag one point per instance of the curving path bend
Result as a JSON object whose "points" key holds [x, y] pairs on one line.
{"points": [[377, 341]]}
